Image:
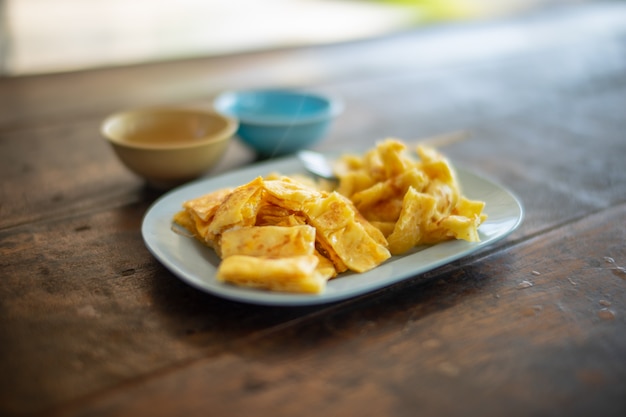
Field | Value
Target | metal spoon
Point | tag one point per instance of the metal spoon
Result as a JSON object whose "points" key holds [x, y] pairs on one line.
{"points": [[321, 166]]}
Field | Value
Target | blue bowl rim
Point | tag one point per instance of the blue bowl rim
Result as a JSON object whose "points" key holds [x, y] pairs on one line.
{"points": [[335, 107]]}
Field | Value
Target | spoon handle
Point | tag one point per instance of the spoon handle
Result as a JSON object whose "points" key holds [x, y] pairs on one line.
{"points": [[444, 139]]}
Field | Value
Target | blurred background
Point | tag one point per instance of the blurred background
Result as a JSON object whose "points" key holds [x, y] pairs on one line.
{"points": [[45, 36]]}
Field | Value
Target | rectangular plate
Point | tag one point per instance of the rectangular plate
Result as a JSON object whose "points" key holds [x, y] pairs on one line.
{"points": [[197, 264]]}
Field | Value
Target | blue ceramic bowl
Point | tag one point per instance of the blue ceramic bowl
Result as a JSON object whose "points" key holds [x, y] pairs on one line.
{"points": [[279, 122]]}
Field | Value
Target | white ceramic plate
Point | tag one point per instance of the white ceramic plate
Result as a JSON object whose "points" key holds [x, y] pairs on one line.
{"points": [[196, 264]]}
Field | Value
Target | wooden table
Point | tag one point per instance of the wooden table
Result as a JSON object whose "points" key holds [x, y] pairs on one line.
{"points": [[91, 324]]}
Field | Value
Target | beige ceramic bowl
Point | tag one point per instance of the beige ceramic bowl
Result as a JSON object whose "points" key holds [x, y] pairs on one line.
{"points": [[169, 146]]}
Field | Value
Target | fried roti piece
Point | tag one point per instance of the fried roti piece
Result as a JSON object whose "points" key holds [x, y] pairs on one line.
{"points": [[199, 212], [268, 241], [417, 210], [239, 209], [271, 214], [292, 274], [341, 234], [325, 268], [290, 194]]}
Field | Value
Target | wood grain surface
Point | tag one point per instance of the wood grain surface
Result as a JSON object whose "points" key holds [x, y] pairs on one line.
{"points": [[91, 324]]}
